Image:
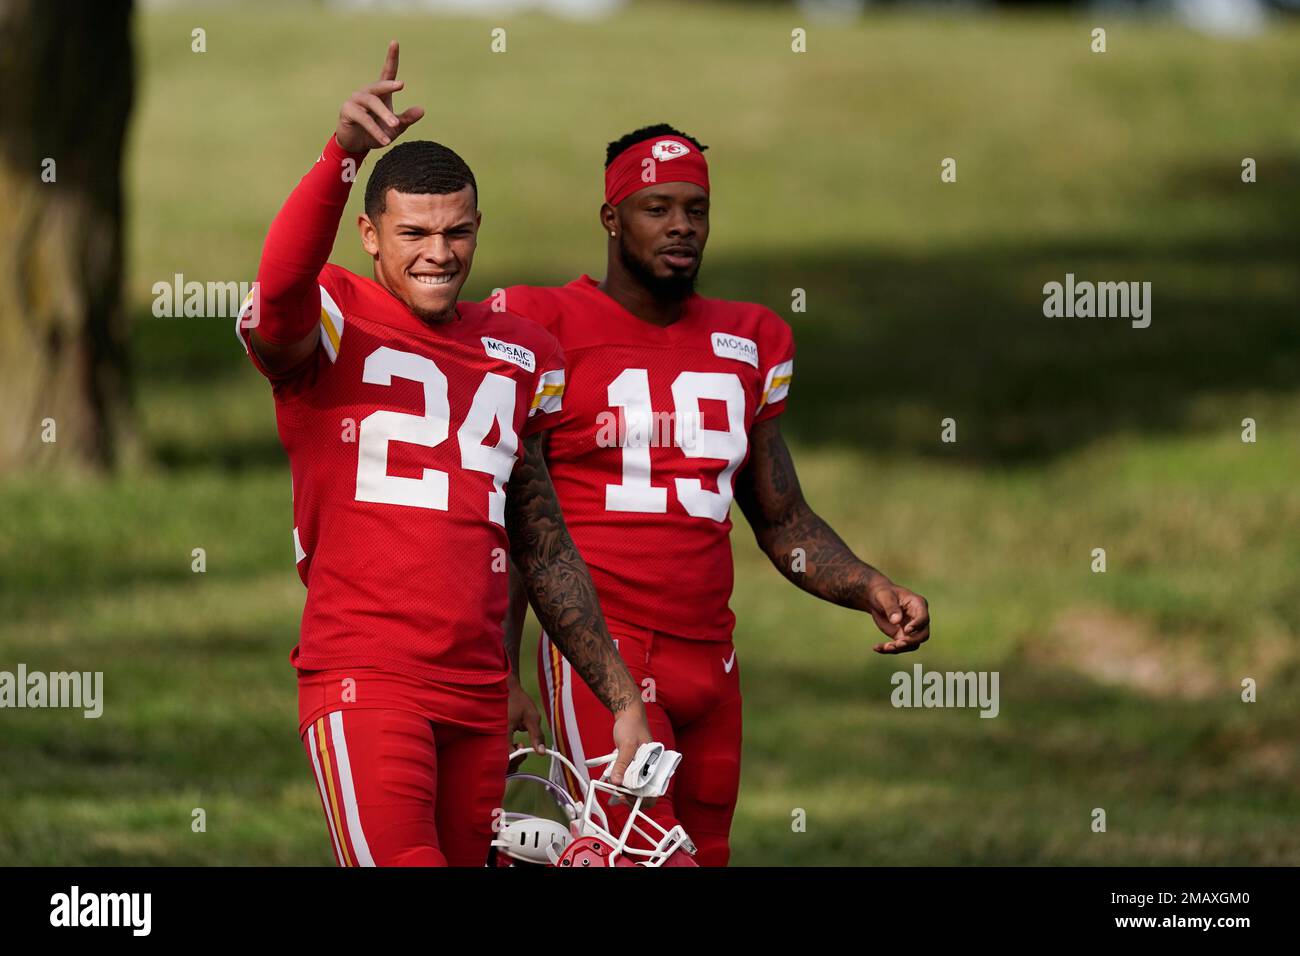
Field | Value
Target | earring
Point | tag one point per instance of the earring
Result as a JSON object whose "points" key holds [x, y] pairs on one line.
{"points": [[611, 234]]}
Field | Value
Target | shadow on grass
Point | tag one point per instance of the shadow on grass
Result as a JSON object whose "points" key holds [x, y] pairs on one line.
{"points": [[879, 786], [227, 453], [1180, 780]]}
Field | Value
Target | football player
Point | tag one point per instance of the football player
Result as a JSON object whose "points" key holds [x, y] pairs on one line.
{"points": [[672, 407], [412, 424]]}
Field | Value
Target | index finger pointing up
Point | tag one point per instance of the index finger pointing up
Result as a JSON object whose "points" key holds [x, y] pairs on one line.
{"points": [[390, 63]]}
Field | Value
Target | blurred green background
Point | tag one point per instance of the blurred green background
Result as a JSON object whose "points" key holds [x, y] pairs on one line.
{"points": [[1118, 690]]}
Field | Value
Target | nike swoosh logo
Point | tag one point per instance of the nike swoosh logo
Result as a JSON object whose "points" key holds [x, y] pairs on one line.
{"points": [[729, 664]]}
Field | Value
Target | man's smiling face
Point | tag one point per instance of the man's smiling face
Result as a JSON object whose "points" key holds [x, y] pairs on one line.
{"points": [[423, 246]]}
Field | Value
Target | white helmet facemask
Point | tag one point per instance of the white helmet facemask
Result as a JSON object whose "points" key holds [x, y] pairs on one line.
{"points": [[535, 839]]}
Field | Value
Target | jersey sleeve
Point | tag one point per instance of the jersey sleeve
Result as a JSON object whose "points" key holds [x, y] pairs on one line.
{"points": [[777, 368], [548, 397], [330, 324], [290, 297]]}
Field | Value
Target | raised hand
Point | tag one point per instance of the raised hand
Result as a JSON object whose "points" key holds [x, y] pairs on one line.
{"points": [[367, 120]]}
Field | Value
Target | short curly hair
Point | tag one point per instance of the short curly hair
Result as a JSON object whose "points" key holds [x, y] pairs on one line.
{"points": [[418, 166]]}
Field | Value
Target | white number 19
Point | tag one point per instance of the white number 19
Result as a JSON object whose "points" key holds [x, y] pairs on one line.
{"points": [[631, 392]]}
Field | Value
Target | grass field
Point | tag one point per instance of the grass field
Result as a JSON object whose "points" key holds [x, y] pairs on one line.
{"points": [[1119, 690]]}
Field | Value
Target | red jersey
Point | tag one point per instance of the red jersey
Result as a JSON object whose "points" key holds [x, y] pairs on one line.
{"points": [[401, 438], [654, 428]]}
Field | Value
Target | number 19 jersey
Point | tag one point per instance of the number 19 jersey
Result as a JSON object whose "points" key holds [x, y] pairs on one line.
{"points": [[645, 452]]}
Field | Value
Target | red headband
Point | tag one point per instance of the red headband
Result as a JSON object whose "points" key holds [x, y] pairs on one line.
{"points": [[663, 159]]}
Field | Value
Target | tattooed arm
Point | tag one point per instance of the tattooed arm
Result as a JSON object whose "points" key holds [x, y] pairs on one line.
{"points": [[557, 582], [810, 554]]}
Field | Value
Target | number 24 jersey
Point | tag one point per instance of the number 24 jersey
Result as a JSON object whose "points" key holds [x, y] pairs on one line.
{"points": [[402, 437]]}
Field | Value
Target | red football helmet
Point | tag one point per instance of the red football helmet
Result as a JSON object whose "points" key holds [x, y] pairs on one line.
{"points": [[591, 851]]}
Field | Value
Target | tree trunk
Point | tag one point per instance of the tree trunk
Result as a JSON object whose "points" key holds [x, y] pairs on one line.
{"points": [[66, 86]]}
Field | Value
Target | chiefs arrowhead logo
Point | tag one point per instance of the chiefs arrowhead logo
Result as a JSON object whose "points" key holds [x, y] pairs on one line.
{"points": [[667, 149]]}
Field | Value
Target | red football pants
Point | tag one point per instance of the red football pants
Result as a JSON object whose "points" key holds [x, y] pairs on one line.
{"points": [[692, 694], [401, 790]]}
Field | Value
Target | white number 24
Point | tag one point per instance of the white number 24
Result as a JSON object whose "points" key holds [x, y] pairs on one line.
{"points": [[494, 401]]}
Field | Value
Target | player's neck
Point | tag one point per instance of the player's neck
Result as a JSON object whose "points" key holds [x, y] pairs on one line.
{"points": [[640, 301]]}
